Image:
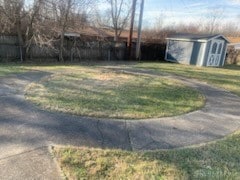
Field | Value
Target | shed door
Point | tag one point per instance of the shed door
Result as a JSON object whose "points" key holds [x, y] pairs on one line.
{"points": [[215, 53]]}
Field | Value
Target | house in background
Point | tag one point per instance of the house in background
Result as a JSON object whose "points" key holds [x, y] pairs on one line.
{"points": [[234, 42], [233, 51], [197, 49]]}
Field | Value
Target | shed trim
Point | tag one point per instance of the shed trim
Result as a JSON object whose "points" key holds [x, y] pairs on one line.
{"points": [[203, 54], [166, 50], [217, 36], [197, 39], [183, 39], [224, 56]]}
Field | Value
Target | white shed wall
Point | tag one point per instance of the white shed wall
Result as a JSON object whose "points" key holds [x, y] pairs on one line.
{"points": [[179, 51]]}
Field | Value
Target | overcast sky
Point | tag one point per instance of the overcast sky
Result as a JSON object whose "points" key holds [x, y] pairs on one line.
{"points": [[185, 11]]}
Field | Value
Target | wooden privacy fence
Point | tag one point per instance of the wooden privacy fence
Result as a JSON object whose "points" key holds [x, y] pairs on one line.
{"points": [[9, 47], [9, 50], [153, 51]]}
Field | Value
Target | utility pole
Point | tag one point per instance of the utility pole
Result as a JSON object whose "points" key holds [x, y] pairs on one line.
{"points": [[129, 44], [138, 48]]}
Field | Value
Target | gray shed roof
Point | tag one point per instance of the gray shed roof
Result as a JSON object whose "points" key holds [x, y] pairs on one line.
{"points": [[196, 37]]}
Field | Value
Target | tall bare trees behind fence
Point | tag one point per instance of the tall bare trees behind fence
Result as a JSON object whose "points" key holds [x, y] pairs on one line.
{"points": [[39, 22]]}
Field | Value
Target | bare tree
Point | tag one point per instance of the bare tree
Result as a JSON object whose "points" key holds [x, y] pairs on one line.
{"points": [[25, 21], [5, 24], [13, 10], [159, 22], [39, 21], [69, 14], [117, 16], [34, 20], [62, 10], [230, 28], [213, 20]]}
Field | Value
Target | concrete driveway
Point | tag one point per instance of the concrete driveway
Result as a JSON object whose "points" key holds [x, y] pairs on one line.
{"points": [[27, 133]]}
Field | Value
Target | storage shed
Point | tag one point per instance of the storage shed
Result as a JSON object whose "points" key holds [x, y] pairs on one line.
{"points": [[197, 49]]}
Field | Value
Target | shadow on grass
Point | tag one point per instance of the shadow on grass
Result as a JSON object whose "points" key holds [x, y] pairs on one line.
{"points": [[139, 98], [227, 77], [232, 67]]}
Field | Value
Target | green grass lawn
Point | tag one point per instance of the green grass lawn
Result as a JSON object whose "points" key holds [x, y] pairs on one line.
{"points": [[227, 77], [217, 160], [6, 69], [100, 92]]}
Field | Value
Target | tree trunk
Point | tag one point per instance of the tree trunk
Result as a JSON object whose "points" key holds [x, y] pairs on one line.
{"points": [[64, 27], [60, 58], [20, 40], [116, 36]]}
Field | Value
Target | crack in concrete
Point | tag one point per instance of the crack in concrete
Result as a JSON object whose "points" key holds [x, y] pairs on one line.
{"points": [[101, 134], [24, 152], [150, 134], [128, 137], [153, 141], [146, 145]]}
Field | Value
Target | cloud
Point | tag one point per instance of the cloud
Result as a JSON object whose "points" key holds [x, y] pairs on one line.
{"points": [[235, 1], [198, 4]]}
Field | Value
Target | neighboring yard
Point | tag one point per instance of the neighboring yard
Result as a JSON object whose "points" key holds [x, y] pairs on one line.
{"points": [[100, 92], [219, 160]]}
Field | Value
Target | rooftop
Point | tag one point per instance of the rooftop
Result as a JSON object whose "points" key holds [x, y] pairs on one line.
{"points": [[194, 37], [98, 32], [234, 40]]}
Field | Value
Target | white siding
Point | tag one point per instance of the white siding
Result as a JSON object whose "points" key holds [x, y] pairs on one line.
{"points": [[180, 51]]}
